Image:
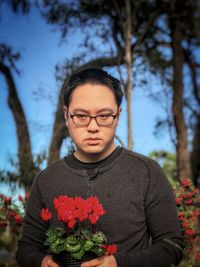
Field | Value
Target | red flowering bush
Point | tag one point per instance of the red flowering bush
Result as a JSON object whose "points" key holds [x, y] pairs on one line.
{"points": [[79, 236], [12, 213], [188, 204]]}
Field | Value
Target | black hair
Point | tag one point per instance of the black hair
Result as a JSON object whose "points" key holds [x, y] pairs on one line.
{"points": [[92, 76]]}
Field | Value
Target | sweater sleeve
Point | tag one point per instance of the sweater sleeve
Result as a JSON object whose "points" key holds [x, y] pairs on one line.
{"points": [[163, 225], [30, 250]]}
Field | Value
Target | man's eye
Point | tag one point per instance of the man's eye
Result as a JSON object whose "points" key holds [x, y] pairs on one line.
{"points": [[81, 116], [104, 117]]}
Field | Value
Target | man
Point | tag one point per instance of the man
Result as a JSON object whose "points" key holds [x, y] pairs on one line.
{"points": [[141, 213]]}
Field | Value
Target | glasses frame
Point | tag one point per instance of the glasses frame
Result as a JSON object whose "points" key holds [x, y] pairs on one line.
{"points": [[92, 117]]}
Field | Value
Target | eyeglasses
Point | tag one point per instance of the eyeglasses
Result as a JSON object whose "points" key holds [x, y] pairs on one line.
{"points": [[84, 120]]}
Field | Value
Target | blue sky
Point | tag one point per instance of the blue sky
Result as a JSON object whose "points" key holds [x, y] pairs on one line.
{"points": [[40, 51]]}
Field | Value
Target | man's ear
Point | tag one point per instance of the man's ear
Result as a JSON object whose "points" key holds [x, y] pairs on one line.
{"points": [[120, 110]]}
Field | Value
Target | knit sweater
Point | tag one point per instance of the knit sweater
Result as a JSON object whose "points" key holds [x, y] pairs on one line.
{"points": [[141, 216]]}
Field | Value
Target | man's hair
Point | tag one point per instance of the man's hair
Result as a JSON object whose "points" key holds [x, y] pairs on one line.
{"points": [[92, 76]]}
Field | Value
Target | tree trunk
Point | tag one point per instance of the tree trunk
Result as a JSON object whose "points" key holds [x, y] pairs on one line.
{"points": [[195, 154], [26, 163], [183, 155], [60, 131], [128, 59]]}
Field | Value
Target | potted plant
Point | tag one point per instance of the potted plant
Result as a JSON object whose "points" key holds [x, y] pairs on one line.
{"points": [[79, 241]]}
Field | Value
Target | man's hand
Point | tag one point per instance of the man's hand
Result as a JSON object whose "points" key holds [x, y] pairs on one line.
{"points": [[48, 262], [104, 261]]}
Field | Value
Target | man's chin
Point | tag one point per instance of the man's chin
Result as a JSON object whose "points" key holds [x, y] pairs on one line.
{"points": [[93, 150]]}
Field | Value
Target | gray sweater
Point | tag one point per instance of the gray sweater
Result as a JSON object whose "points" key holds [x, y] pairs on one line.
{"points": [[141, 216]]}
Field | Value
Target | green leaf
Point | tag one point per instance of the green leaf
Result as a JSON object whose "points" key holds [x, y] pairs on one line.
{"points": [[98, 250], [73, 248], [86, 233], [78, 255], [51, 238], [99, 238], [54, 249], [59, 231], [50, 231], [88, 245], [72, 240]]}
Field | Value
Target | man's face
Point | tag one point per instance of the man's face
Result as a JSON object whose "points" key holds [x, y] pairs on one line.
{"points": [[93, 142]]}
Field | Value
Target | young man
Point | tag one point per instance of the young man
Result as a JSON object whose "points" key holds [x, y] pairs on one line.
{"points": [[141, 215]]}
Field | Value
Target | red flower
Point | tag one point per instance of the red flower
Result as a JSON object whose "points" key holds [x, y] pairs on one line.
{"points": [[189, 232], [18, 219], [71, 223], [181, 214], [93, 218], [178, 200], [7, 200], [188, 202], [20, 198], [188, 195], [96, 206], [185, 224], [110, 249], [46, 214], [186, 182]]}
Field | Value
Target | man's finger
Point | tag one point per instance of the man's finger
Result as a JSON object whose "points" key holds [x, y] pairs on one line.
{"points": [[92, 263], [51, 263]]}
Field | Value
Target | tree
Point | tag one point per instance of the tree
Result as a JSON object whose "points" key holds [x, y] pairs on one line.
{"points": [[26, 166], [124, 25], [176, 12], [175, 32]]}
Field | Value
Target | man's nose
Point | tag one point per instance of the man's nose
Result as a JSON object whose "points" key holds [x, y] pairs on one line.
{"points": [[93, 126]]}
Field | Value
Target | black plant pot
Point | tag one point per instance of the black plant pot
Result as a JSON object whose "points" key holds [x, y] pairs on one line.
{"points": [[64, 259]]}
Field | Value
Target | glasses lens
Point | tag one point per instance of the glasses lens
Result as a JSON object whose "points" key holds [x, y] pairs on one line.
{"points": [[81, 120], [105, 120]]}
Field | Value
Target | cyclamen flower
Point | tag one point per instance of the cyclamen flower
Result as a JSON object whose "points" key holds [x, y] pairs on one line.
{"points": [[71, 223], [93, 218], [110, 249], [96, 206], [46, 214]]}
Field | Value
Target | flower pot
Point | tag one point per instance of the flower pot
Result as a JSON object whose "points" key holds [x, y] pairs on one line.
{"points": [[64, 259]]}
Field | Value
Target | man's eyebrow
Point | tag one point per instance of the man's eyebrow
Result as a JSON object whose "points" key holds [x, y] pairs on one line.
{"points": [[76, 110], [105, 109], [81, 110]]}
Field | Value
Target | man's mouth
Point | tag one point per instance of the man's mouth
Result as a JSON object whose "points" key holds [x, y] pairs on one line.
{"points": [[93, 141]]}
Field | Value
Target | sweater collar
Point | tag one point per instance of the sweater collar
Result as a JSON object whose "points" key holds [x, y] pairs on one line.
{"points": [[94, 168]]}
